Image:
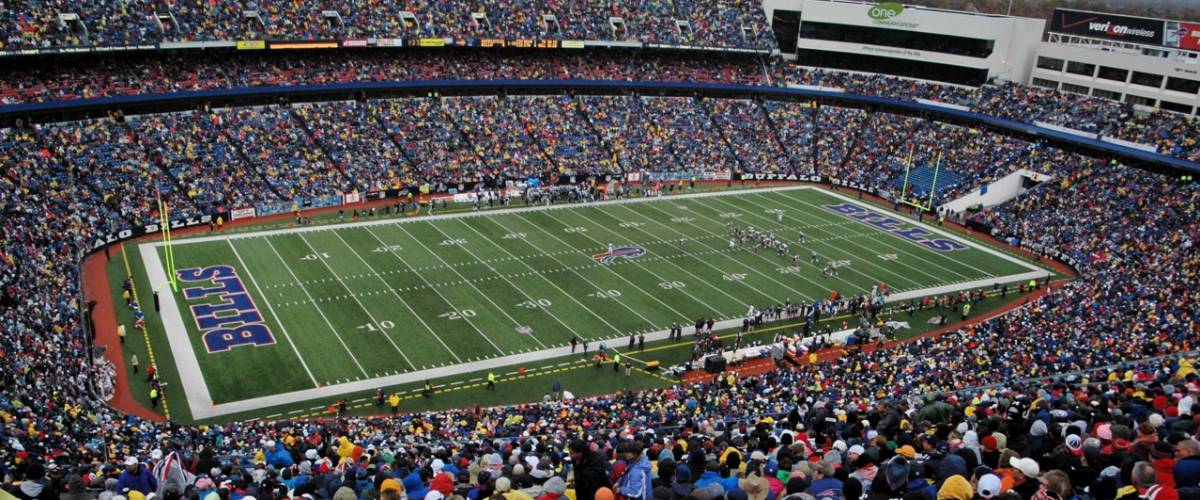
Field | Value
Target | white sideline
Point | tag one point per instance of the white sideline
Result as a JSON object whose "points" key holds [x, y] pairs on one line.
{"points": [[186, 362], [481, 213], [945, 234], [200, 401]]}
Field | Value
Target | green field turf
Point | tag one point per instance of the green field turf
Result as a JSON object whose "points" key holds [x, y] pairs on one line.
{"points": [[372, 302]]}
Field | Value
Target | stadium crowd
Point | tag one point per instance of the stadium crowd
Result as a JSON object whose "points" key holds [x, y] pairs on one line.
{"points": [[1172, 134], [1088, 392], [732, 23], [916, 420], [107, 76], [279, 153]]}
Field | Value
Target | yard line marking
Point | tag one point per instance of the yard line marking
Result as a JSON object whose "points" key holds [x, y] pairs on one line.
{"points": [[820, 286], [618, 275], [644, 268], [453, 215], [271, 308], [397, 294], [820, 213], [593, 284], [439, 294], [824, 241], [708, 283], [823, 215], [315, 306], [981, 246], [702, 261], [540, 275], [472, 285]]}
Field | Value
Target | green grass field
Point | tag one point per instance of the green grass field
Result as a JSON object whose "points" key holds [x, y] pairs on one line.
{"points": [[341, 308]]}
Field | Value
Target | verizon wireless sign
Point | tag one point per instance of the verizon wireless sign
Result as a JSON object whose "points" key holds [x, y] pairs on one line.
{"points": [[1108, 26]]}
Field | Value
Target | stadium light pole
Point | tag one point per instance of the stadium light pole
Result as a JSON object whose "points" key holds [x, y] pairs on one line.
{"points": [[1009, 8]]}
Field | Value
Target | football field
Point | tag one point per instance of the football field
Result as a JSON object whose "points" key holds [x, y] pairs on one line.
{"points": [[306, 313]]}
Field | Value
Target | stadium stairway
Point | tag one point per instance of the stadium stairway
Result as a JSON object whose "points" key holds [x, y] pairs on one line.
{"points": [[921, 180]]}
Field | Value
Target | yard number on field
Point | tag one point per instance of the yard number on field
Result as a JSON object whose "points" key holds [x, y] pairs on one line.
{"points": [[671, 285], [733, 276], [453, 315], [605, 294], [315, 256], [387, 249], [575, 229], [534, 304], [385, 324], [453, 241], [629, 224], [887, 256], [514, 236]]}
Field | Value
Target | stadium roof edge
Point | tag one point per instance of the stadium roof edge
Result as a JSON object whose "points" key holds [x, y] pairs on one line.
{"points": [[156, 103]]}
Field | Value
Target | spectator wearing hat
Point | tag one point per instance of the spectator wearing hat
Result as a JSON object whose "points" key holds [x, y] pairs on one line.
{"points": [[865, 470], [682, 486], [553, 489], [988, 486], [989, 451], [955, 487], [504, 487], [755, 486], [1163, 459], [344, 493], [136, 477], [442, 483], [414, 485], [1025, 473], [894, 482], [773, 477], [824, 485], [391, 485]]}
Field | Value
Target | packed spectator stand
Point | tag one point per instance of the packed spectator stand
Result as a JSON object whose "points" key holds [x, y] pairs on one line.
{"points": [[732, 23], [1090, 387]]}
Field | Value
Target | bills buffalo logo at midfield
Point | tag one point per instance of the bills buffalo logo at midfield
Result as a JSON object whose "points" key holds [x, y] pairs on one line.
{"points": [[619, 253], [233, 320]]}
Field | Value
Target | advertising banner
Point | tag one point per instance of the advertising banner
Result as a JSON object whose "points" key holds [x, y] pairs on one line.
{"points": [[1183, 35], [139, 231], [241, 213], [1108, 26], [251, 45]]}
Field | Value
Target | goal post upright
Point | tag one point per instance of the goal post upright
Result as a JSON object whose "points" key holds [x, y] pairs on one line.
{"points": [[168, 249]]}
